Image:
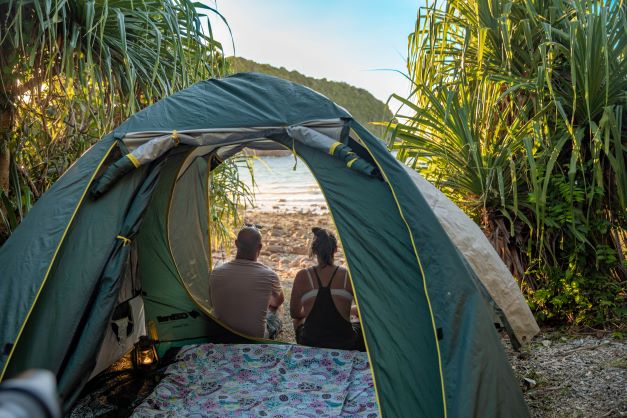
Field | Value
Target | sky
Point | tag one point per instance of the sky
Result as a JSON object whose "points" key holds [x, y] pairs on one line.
{"points": [[358, 42]]}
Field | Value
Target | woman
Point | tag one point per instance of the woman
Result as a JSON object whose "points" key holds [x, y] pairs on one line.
{"points": [[322, 298]]}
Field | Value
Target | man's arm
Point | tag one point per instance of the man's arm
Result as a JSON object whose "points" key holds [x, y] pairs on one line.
{"points": [[277, 297]]}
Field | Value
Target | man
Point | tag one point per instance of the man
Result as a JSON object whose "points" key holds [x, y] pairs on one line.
{"points": [[245, 293]]}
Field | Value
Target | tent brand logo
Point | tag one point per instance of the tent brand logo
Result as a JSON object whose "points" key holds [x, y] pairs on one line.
{"points": [[178, 316]]}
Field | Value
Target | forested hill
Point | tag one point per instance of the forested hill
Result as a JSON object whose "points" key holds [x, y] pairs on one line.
{"points": [[360, 103]]}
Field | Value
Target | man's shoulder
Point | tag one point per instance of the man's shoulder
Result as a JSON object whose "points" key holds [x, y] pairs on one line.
{"points": [[245, 265], [264, 266], [222, 267], [267, 270]]}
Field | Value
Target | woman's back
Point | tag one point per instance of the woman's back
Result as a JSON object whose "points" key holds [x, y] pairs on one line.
{"points": [[341, 289], [321, 299]]}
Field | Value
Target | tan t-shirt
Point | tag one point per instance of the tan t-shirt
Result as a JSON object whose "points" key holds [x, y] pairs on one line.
{"points": [[240, 293]]}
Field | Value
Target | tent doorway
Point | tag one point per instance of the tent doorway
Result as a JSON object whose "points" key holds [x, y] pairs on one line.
{"points": [[287, 204]]}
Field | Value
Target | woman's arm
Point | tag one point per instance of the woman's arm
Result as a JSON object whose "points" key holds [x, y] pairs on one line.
{"points": [[296, 308], [349, 288]]}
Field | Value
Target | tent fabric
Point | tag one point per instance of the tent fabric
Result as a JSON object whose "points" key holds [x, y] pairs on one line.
{"points": [[239, 101], [458, 310], [56, 317], [188, 229], [431, 343], [96, 317], [168, 304], [153, 148], [488, 266], [36, 241], [384, 274]]}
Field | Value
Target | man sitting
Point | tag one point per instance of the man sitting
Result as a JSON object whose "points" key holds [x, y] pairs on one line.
{"points": [[245, 293]]}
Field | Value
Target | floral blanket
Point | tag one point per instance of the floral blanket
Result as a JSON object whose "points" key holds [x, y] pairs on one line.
{"points": [[263, 380]]}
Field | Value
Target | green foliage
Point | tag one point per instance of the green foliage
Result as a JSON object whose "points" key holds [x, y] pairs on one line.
{"points": [[73, 70], [517, 114], [20, 205], [359, 102], [229, 195]]}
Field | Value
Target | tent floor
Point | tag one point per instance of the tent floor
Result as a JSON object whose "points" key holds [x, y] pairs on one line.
{"points": [[236, 380]]}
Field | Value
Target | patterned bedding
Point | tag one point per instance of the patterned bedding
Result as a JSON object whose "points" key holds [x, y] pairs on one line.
{"points": [[263, 380]]}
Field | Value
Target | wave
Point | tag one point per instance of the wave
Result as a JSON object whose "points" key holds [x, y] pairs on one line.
{"points": [[279, 187]]}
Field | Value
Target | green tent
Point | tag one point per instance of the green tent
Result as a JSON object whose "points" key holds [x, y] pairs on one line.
{"points": [[118, 247]]}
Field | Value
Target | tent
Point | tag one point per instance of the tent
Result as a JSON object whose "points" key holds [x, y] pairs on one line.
{"points": [[118, 247]]}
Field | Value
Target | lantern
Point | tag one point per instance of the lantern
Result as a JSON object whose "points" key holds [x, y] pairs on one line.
{"points": [[145, 354]]}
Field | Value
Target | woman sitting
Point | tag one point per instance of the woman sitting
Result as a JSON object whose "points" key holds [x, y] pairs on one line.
{"points": [[321, 300]]}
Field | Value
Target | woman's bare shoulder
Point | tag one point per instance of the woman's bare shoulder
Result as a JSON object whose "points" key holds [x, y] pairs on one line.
{"points": [[342, 270], [300, 275], [302, 272]]}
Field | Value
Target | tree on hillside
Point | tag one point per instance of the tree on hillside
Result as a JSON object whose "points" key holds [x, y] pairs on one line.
{"points": [[359, 102], [517, 112], [71, 70]]}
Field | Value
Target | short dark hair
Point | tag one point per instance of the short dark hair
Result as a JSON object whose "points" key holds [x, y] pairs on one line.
{"points": [[248, 242], [324, 245]]}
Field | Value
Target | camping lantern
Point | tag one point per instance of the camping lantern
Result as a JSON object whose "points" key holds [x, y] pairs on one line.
{"points": [[145, 354]]}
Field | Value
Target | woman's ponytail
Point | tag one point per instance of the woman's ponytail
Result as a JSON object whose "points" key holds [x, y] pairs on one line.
{"points": [[324, 245]]}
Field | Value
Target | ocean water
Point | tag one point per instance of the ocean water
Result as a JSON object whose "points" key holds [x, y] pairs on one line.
{"points": [[280, 187]]}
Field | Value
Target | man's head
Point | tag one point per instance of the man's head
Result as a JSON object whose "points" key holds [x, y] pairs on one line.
{"points": [[248, 243]]}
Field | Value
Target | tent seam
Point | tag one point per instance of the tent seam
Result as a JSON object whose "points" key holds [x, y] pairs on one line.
{"points": [[424, 279], [54, 256]]}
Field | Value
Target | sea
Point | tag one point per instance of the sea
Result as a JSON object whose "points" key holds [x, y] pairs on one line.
{"points": [[283, 184]]}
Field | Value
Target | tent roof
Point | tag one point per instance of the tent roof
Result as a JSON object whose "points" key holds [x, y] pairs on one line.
{"points": [[241, 100]]}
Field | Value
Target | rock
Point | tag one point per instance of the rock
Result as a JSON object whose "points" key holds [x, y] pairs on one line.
{"points": [[546, 343], [299, 250], [529, 382], [275, 248]]}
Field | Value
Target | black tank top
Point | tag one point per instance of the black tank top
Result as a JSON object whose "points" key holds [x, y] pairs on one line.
{"points": [[325, 327]]}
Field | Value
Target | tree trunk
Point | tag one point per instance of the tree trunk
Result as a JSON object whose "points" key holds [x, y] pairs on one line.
{"points": [[6, 124], [5, 159]]}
